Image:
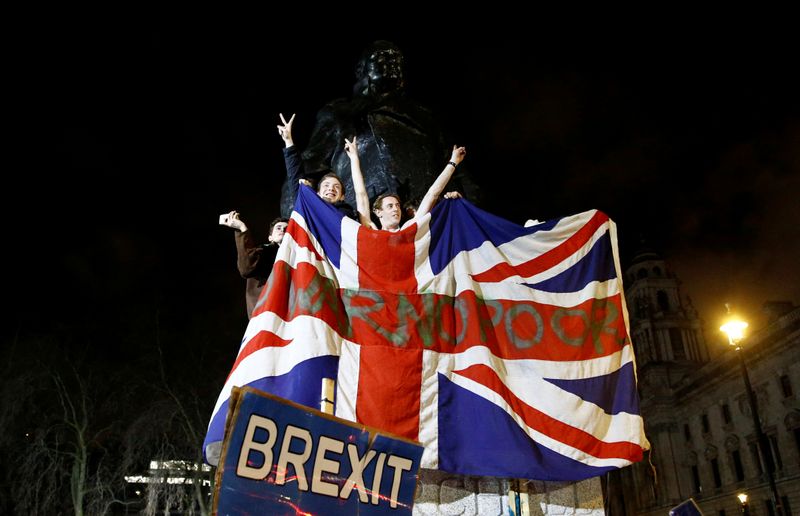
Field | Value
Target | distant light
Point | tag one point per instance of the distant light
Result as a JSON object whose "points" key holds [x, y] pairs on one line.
{"points": [[742, 498], [140, 479], [734, 328], [172, 472]]}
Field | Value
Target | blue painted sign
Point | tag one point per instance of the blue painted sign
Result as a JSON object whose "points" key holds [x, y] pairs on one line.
{"points": [[283, 458]]}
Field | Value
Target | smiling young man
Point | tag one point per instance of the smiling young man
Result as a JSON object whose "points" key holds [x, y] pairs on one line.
{"points": [[387, 207], [388, 210], [330, 188]]}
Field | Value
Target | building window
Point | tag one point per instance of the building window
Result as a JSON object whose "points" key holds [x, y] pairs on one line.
{"points": [[715, 471], [726, 413], [770, 507], [698, 488], [642, 273], [676, 339], [721, 512], [786, 386], [785, 504], [662, 300], [704, 422], [796, 432], [657, 272], [688, 435], [738, 470], [776, 452], [756, 457]]}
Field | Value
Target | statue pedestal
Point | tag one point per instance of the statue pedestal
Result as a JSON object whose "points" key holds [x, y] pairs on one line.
{"points": [[439, 492]]}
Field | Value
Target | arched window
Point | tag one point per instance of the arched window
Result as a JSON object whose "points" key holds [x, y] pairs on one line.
{"points": [[642, 273], [657, 272]]}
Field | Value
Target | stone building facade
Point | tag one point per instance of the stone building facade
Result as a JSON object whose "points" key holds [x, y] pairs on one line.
{"points": [[695, 406]]}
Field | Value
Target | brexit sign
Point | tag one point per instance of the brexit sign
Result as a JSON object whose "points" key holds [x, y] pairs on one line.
{"points": [[283, 458]]}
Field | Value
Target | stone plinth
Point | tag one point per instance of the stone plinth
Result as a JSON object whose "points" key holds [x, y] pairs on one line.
{"points": [[439, 492]]}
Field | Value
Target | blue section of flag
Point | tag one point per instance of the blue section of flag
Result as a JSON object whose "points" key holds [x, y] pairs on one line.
{"points": [[614, 392], [473, 429], [325, 225], [597, 265], [303, 385], [457, 225]]}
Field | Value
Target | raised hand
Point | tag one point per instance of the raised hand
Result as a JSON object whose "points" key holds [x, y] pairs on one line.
{"points": [[351, 148], [232, 221], [458, 154], [285, 130]]}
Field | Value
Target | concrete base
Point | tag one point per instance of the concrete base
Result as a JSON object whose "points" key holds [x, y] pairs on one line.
{"points": [[439, 492]]}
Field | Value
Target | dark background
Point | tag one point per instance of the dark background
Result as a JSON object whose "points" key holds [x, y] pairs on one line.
{"points": [[129, 139]]}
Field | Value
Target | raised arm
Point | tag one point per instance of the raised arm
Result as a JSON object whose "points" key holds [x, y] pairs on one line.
{"points": [[248, 254], [360, 191], [437, 187], [295, 173]]}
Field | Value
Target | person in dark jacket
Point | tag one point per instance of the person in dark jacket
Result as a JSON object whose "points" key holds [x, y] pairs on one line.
{"points": [[329, 187], [255, 261]]}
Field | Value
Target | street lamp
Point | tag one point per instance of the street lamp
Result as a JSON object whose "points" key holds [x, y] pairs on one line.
{"points": [[734, 328], [743, 500]]}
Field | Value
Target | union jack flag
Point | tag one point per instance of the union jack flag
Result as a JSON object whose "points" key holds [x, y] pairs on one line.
{"points": [[503, 349]]}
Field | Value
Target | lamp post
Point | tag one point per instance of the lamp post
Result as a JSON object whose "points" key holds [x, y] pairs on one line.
{"points": [[734, 329], [743, 500]]}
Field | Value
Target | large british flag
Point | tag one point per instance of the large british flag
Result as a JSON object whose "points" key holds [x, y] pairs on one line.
{"points": [[503, 349]]}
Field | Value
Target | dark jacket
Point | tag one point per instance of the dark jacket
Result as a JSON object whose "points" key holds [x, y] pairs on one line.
{"points": [[255, 265], [296, 171]]}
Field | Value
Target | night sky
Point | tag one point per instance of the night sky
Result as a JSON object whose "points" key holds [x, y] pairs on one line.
{"points": [[132, 140]]}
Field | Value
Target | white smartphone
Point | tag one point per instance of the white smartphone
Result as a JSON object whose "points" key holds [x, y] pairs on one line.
{"points": [[224, 219]]}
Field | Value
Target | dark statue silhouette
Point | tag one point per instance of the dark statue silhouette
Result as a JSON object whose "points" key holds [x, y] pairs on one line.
{"points": [[401, 145]]}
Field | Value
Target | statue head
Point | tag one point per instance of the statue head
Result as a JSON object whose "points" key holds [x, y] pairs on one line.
{"points": [[379, 70]]}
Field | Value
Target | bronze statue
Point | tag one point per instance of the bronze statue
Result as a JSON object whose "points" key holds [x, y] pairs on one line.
{"points": [[401, 145]]}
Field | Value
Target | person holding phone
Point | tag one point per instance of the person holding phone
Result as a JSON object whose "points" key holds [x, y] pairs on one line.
{"points": [[254, 261]]}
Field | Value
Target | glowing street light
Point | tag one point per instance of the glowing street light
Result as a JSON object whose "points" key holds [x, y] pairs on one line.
{"points": [[743, 500], [734, 328]]}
